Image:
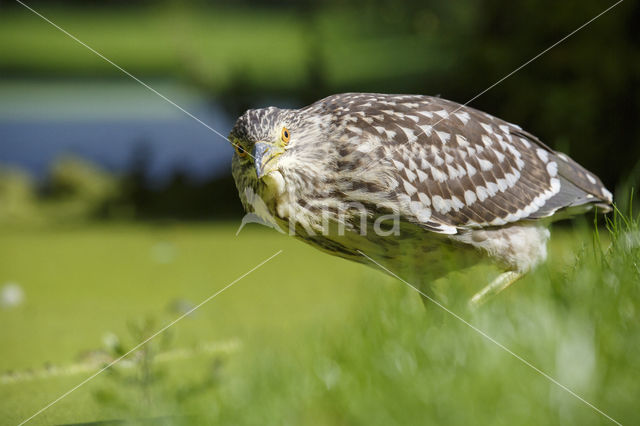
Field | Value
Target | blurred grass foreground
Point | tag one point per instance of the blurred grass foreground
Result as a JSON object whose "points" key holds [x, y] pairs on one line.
{"points": [[308, 338]]}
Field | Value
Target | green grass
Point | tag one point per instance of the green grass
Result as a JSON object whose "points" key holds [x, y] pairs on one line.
{"points": [[85, 282], [270, 49], [151, 41], [322, 340]]}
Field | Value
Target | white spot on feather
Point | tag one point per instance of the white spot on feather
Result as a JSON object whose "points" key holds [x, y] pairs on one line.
{"points": [[440, 204], [365, 147], [542, 154], [462, 116], [438, 159], [410, 175], [442, 113], [390, 134], [513, 151], [487, 128], [409, 132], [485, 165], [498, 221], [492, 188], [453, 173], [444, 136], [409, 188], [456, 204], [469, 197], [482, 193], [511, 179], [525, 142], [438, 175], [470, 169], [448, 158], [462, 141], [404, 199], [424, 199], [423, 214], [426, 129]]}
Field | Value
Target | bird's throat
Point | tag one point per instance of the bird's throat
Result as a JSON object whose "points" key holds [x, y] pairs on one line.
{"points": [[274, 194]]}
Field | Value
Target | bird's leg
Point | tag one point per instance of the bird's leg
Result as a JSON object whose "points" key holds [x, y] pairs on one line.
{"points": [[501, 282]]}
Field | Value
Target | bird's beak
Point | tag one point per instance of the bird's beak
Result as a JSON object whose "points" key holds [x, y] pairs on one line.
{"points": [[265, 154]]}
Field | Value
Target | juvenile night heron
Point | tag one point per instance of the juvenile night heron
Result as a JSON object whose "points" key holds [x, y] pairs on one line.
{"points": [[446, 178]]}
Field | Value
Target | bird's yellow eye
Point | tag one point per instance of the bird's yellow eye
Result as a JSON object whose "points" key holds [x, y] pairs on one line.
{"points": [[285, 135], [240, 150]]}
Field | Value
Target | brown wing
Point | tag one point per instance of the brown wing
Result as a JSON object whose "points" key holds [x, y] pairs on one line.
{"points": [[455, 166]]}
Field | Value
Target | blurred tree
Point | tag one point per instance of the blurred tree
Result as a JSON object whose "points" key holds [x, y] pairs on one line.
{"points": [[72, 177], [18, 202], [180, 197], [77, 188]]}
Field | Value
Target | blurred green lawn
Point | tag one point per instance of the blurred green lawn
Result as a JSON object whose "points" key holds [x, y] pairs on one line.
{"points": [[323, 341], [81, 283], [273, 49]]}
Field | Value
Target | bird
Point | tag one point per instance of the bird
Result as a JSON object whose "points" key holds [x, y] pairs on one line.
{"points": [[405, 183]]}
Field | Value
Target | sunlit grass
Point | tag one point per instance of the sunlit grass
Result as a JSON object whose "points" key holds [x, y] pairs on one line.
{"points": [[322, 340]]}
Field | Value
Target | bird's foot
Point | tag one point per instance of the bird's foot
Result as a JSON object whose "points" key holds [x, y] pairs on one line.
{"points": [[501, 282]]}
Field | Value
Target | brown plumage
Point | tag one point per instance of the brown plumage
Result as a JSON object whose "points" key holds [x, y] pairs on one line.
{"points": [[454, 177]]}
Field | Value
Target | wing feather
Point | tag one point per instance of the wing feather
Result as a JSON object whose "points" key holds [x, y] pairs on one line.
{"points": [[449, 166]]}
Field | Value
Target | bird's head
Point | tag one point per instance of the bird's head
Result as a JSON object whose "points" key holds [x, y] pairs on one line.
{"points": [[268, 143], [261, 139], [279, 151]]}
